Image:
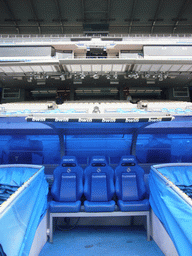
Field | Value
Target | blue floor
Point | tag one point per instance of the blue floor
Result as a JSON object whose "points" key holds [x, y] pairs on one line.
{"points": [[102, 241]]}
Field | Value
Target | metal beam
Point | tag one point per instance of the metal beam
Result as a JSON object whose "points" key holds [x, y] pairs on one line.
{"points": [[11, 14], [108, 10], [94, 11], [113, 26], [132, 14], [59, 14], [180, 14], [35, 15], [83, 10], [158, 10]]}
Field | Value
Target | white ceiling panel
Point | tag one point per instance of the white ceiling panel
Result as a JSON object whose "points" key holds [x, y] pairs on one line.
{"points": [[68, 68], [86, 68], [155, 67], [76, 68], [165, 68], [107, 68], [190, 70], [16, 69], [26, 69], [175, 68], [49, 68], [125, 67], [136, 67], [37, 68], [185, 68], [117, 68], [145, 68], [96, 68], [7, 69]]}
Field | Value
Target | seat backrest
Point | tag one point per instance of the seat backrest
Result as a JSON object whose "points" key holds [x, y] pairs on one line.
{"points": [[99, 180], [68, 181], [129, 180]]}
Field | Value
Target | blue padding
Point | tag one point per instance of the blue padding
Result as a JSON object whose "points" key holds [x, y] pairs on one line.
{"points": [[170, 205], [129, 166], [64, 206], [68, 187], [99, 206], [6, 191], [99, 166], [68, 181], [20, 219], [131, 206], [129, 187], [99, 187]]}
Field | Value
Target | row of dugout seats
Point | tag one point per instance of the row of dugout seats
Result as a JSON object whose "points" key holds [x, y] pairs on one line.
{"points": [[99, 184]]}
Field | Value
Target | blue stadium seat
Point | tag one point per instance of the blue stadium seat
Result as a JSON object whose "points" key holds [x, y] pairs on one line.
{"points": [[67, 187], [99, 186], [130, 186]]}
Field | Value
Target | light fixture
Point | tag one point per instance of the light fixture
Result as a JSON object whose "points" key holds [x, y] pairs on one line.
{"points": [[40, 76], [165, 76], [77, 81], [96, 76], [62, 77], [18, 78], [151, 81], [114, 81], [136, 76], [69, 76], [30, 79], [154, 76], [55, 77], [160, 76], [115, 75], [147, 75], [130, 75], [82, 75], [41, 82], [133, 75]]}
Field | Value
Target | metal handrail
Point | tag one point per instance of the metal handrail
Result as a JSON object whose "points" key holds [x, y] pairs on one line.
{"points": [[97, 35]]}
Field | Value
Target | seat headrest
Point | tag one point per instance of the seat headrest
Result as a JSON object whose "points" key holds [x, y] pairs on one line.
{"points": [[98, 161], [69, 161], [128, 161]]}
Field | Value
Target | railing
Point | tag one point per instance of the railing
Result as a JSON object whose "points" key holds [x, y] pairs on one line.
{"points": [[94, 35], [4, 38]]}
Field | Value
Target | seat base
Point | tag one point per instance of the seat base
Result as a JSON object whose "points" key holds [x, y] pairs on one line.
{"points": [[99, 206], [83, 214], [131, 206], [64, 206]]}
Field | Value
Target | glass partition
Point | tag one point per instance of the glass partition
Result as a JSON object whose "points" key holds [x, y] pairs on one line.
{"points": [[111, 146], [30, 149], [164, 148]]}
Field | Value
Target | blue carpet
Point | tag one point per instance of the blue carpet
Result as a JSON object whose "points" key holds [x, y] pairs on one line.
{"points": [[93, 241]]}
